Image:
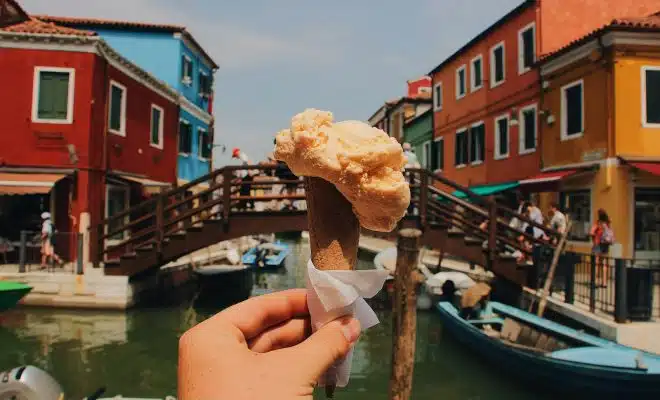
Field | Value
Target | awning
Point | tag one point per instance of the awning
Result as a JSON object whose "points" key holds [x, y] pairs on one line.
{"points": [[150, 186], [548, 177], [650, 167], [487, 190], [17, 183]]}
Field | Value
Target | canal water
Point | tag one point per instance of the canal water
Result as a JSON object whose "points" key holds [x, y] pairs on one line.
{"points": [[134, 353]]}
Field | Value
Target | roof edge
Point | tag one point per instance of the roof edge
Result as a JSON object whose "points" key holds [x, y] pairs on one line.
{"points": [[513, 13]]}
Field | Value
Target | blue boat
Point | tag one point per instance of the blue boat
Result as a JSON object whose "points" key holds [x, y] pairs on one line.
{"points": [[267, 256], [554, 356]]}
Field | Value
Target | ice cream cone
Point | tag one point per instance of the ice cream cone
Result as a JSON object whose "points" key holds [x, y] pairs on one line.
{"points": [[334, 231]]}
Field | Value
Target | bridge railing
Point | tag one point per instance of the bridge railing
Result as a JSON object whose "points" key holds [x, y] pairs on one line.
{"points": [[216, 196], [474, 215], [256, 189]]}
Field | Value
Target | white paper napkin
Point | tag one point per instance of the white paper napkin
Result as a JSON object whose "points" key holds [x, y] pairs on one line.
{"points": [[334, 294]]}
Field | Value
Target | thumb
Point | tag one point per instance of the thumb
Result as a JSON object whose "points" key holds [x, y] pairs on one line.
{"points": [[330, 343]]}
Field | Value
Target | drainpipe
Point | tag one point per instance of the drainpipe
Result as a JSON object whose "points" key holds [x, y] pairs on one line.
{"points": [[610, 109]]}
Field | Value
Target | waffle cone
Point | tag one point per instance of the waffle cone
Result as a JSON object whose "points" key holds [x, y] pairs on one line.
{"points": [[334, 230]]}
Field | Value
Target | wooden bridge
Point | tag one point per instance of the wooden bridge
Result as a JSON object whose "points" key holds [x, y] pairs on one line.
{"points": [[224, 205]]}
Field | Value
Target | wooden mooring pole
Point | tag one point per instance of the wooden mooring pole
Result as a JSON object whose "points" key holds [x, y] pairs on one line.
{"points": [[404, 314]]}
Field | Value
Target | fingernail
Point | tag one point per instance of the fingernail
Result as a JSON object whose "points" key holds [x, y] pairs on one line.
{"points": [[351, 330]]}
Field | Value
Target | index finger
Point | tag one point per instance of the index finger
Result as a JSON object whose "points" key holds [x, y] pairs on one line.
{"points": [[257, 314]]}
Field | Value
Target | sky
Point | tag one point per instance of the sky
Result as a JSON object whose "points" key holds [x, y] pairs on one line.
{"points": [[279, 57]]}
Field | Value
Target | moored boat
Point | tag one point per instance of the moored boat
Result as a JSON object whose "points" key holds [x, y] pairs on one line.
{"points": [[267, 256], [224, 280], [552, 355], [11, 293], [386, 260]]}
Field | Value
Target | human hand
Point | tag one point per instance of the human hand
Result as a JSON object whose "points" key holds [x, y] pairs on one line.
{"points": [[261, 349]]}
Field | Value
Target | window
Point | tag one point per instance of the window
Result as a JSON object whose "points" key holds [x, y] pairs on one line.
{"points": [[647, 222], [477, 143], [116, 201], [185, 137], [52, 97], [502, 137], [497, 69], [426, 161], [572, 110], [437, 96], [397, 125], [527, 131], [423, 89], [205, 145], [117, 114], [156, 138], [460, 82], [186, 70], [438, 163], [477, 73], [205, 85], [386, 125], [651, 97], [526, 48], [577, 205], [461, 148]]}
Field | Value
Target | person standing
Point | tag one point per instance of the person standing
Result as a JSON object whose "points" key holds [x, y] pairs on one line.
{"points": [[602, 237], [47, 251], [411, 158]]}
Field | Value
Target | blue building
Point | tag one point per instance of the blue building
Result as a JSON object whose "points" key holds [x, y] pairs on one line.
{"points": [[170, 53]]}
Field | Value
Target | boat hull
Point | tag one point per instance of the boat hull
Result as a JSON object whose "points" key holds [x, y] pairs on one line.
{"points": [[11, 293], [221, 289], [587, 381]]}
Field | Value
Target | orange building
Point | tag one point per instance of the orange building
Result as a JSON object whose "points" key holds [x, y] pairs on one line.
{"points": [[486, 95], [601, 132]]}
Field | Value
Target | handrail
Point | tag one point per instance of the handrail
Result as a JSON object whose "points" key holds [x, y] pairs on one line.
{"points": [[218, 202]]}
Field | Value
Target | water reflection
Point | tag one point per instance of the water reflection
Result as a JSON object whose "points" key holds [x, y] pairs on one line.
{"points": [[135, 353]]}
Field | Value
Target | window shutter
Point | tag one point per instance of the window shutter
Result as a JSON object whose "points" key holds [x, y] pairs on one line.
{"points": [[434, 156], [61, 95], [46, 109]]}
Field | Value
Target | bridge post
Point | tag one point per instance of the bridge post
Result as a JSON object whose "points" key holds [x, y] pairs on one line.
{"points": [[160, 223], [226, 196], [423, 197], [492, 229]]}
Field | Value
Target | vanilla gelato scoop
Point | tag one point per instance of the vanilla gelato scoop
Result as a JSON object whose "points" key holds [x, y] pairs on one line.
{"points": [[363, 162]]}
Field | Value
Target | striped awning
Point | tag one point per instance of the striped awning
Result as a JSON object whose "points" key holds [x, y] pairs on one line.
{"points": [[12, 183]]}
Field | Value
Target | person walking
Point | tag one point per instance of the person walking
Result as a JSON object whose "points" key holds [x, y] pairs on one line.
{"points": [[602, 237], [47, 250], [411, 158]]}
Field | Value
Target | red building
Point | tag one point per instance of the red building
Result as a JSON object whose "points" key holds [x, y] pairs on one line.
{"points": [[486, 95], [84, 131]]}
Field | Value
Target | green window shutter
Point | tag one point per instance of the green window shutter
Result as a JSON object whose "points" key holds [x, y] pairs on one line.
{"points": [[116, 95], [53, 95], [155, 126]]}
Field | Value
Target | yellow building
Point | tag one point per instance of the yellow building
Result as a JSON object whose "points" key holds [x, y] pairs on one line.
{"points": [[600, 134]]}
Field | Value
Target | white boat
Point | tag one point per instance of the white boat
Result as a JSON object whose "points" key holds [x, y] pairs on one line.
{"points": [[461, 282], [223, 279], [386, 260]]}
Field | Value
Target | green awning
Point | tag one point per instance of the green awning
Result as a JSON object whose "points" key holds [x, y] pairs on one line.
{"points": [[487, 190]]}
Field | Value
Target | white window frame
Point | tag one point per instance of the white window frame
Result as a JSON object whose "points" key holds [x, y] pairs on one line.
{"points": [[127, 197], [521, 47], [591, 209], [122, 119], [564, 111], [473, 77], [178, 142], [462, 68], [483, 156], [467, 135], [521, 129], [437, 101], [161, 125], [494, 84], [35, 95], [426, 149], [643, 85], [199, 143], [440, 139], [192, 67], [497, 155], [202, 72]]}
